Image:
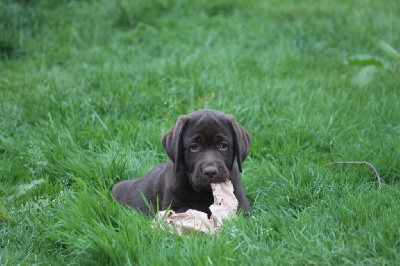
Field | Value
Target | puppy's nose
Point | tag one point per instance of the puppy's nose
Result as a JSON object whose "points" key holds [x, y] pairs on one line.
{"points": [[210, 170]]}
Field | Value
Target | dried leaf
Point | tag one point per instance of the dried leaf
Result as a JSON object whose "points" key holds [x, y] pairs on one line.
{"points": [[364, 76]]}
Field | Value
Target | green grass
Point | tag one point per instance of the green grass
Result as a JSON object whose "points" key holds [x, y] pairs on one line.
{"points": [[87, 88]]}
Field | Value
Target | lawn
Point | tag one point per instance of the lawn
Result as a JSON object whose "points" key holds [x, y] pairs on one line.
{"points": [[87, 88]]}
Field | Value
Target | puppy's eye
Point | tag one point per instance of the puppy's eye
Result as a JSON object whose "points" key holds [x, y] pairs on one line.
{"points": [[223, 146], [194, 147]]}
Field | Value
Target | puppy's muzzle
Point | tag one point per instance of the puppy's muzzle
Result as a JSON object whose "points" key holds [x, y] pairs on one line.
{"points": [[210, 171]]}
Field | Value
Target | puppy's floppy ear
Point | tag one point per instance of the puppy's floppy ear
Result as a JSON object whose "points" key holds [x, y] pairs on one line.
{"points": [[241, 139], [172, 141]]}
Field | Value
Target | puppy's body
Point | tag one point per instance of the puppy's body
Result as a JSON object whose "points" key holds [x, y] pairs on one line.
{"points": [[202, 147]]}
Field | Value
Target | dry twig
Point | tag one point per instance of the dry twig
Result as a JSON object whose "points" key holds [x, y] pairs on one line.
{"points": [[366, 163]]}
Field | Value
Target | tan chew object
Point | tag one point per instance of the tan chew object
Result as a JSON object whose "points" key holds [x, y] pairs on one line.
{"points": [[224, 207]]}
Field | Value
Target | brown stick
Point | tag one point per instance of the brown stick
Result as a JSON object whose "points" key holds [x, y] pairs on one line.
{"points": [[366, 163]]}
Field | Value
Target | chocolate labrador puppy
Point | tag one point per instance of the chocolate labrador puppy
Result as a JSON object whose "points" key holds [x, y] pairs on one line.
{"points": [[202, 148]]}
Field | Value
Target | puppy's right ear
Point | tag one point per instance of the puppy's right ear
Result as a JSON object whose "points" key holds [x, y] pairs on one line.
{"points": [[172, 141]]}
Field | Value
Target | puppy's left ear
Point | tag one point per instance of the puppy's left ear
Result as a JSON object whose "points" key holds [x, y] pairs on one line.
{"points": [[172, 141], [242, 140]]}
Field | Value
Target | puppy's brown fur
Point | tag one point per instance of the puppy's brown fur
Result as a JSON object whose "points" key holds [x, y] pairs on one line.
{"points": [[202, 148]]}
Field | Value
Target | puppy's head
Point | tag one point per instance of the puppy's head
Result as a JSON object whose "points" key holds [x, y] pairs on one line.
{"points": [[204, 144]]}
